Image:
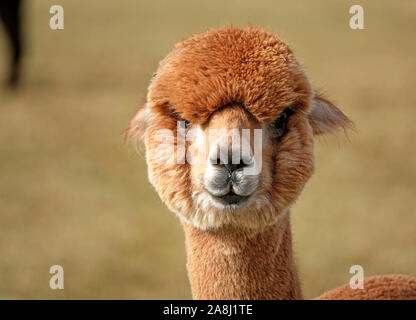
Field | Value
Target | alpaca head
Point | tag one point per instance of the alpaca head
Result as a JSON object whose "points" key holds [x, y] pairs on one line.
{"points": [[228, 126]]}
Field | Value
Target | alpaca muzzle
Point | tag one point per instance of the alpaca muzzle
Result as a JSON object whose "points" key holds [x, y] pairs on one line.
{"points": [[228, 177]]}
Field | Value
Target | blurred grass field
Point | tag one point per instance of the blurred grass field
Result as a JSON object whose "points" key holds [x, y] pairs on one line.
{"points": [[71, 193]]}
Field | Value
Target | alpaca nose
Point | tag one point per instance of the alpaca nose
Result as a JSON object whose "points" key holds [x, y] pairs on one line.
{"points": [[224, 178], [231, 153], [229, 173], [232, 160]]}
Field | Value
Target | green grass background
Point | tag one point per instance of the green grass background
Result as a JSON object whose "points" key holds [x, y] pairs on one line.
{"points": [[71, 193]]}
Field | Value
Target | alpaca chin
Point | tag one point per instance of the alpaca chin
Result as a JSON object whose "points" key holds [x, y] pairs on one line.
{"points": [[255, 213]]}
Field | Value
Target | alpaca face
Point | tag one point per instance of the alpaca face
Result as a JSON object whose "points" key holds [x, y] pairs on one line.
{"points": [[228, 128], [249, 180]]}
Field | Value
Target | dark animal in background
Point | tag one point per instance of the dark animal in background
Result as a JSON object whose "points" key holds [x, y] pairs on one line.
{"points": [[11, 17]]}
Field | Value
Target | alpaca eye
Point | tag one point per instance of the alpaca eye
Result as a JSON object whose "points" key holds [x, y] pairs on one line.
{"points": [[183, 123], [279, 125]]}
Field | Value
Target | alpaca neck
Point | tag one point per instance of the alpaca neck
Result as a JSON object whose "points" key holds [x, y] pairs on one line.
{"points": [[237, 264]]}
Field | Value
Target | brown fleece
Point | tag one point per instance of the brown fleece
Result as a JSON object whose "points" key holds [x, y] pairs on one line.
{"points": [[239, 264], [237, 79], [390, 287]]}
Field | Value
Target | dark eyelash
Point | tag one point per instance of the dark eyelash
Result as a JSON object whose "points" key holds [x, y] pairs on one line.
{"points": [[180, 122], [279, 125], [183, 123]]}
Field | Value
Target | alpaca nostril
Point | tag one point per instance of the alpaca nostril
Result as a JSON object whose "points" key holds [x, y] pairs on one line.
{"points": [[231, 160], [235, 166]]}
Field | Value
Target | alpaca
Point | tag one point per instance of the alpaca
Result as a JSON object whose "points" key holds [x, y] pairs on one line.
{"points": [[235, 214]]}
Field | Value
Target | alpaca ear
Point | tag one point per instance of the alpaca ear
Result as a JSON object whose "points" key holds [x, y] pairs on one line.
{"points": [[138, 124], [324, 117]]}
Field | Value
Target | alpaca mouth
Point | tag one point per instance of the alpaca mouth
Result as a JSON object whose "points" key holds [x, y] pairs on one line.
{"points": [[231, 200]]}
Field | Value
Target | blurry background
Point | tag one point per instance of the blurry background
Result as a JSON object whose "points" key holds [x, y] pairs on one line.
{"points": [[71, 193]]}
